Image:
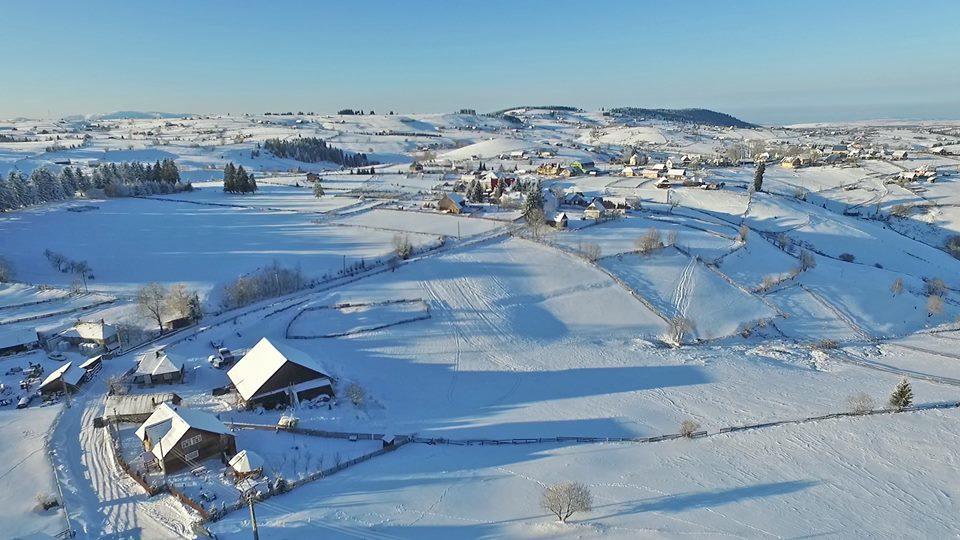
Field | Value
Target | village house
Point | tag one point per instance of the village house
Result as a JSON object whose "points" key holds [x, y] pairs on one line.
{"points": [[637, 160], [158, 367], [558, 220], [629, 171], [595, 210], [452, 203], [791, 162], [92, 336], [65, 378], [271, 374], [663, 183], [676, 174], [178, 438], [136, 407], [899, 155]]}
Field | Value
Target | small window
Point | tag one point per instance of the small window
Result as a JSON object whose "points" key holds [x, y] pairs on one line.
{"points": [[191, 441], [192, 455]]}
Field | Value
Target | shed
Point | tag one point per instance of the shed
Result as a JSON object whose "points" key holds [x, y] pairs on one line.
{"points": [[453, 203], [158, 368], [136, 407], [64, 378], [246, 464]]}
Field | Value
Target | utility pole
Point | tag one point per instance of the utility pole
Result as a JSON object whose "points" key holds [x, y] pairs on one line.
{"points": [[253, 517]]}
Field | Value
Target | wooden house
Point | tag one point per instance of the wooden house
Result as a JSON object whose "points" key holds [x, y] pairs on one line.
{"points": [[452, 203], [272, 373], [179, 438], [158, 367]]}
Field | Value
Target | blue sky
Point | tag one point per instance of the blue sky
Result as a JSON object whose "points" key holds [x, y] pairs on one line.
{"points": [[766, 61]]}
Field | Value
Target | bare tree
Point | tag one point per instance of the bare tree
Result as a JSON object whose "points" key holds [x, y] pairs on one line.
{"points": [[178, 300], [934, 305], [402, 246], [678, 327], [743, 233], [566, 499], [151, 301], [783, 241], [897, 286], [860, 403], [807, 260], [673, 237], [537, 221], [688, 428], [591, 251], [650, 241], [82, 270]]}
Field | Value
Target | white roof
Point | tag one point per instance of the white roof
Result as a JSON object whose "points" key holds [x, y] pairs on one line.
{"points": [[262, 362], [91, 361], [126, 405], [70, 375], [180, 421], [676, 172], [560, 216], [11, 337], [596, 204], [158, 364], [91, 330], [246, 461]]}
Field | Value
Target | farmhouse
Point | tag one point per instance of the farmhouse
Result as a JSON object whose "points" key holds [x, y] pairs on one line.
{"points": [[453, 203], [64, 378], [677, 174], [558, 221], [178, 438], [136, 407], [158, 368], [595, 210], [270, 374], [791, 162], [92, 336]]}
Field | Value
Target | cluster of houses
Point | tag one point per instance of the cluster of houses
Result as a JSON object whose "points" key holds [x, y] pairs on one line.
{"points": [[88, 337], [175, 438], [920, 174]]}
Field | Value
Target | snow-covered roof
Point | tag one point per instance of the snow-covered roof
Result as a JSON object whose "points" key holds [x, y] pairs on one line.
{"points": [[158, 363], [12, 337], [676, 172], [180, 421], [560, 216], [128, 405], [262, 362], [246, 461], [91, 330], [67, 372], [597, 204], [90, 362]]}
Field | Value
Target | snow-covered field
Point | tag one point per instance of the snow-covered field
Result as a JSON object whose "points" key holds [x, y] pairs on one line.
{"points": [[796, 297]]}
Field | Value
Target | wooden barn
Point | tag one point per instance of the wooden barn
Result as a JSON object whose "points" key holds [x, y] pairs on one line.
{"points": [[271, 374], [136, 407], [179, 438], [452, 203], [66, 378]]}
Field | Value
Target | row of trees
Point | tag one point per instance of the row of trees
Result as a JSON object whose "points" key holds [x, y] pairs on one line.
{"points": [[314, 150], [42, 186], [81, 269], [238, 180], [134, 178], [268, 282]]}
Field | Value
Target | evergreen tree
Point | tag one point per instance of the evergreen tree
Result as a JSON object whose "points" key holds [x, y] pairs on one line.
{"points": [[533, 202], [758, 176], [902, 396], [252, 183], [318, 189], [498, 191], [83, 182], [48, 186], [229, 178], [9, 198], [242, 180], [68, 181], [19, 185]]}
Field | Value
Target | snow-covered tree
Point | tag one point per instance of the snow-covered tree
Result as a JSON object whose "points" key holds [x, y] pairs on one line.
{"points": [[566, 499], [902, 396], [151, 302]]}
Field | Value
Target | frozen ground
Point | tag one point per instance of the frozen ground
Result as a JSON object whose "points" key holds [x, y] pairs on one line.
{"points": [[524, 338]]}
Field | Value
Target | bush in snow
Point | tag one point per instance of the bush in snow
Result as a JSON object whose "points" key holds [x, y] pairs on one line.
{"points": [[678, 327], [267, 282], [591, 251], [934, 305], [860, 403], [47, 501], [688, 428], [953, 245], [649, 242], [402, 246], [897, 286], [936, 287], [742, 233], [356, 394], [846, 257], [825, 344], [566, 499], [902, 396]]}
